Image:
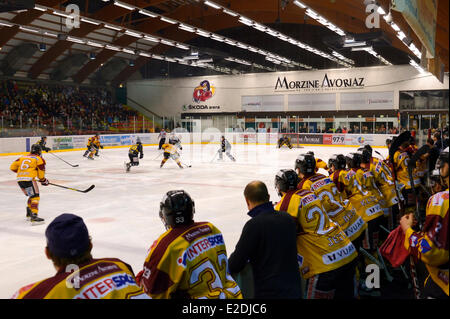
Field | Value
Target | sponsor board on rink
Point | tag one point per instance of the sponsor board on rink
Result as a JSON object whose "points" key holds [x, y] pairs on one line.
{"points": [[79, 141], [310, 138], [62, 143], [110, 140]]}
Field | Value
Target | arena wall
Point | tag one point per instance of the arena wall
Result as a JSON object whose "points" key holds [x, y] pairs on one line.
{"points": [[19, 145]]}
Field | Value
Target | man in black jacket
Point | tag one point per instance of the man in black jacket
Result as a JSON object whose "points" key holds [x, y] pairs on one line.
{"points": [[268, 243]]}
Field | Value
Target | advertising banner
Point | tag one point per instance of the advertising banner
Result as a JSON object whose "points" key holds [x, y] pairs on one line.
{"points": [[310, 138], [126, 140], [110, 140], [79, 141], [62, 143]]}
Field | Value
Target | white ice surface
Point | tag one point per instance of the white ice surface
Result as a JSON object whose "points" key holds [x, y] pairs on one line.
{"points": [[121, 212]]}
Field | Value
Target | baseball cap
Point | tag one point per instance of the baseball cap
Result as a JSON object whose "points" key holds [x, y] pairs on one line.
{"points": [[67, 236]]}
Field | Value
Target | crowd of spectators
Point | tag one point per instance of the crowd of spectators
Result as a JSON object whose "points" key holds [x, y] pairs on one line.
{"points": [[58, 107]]}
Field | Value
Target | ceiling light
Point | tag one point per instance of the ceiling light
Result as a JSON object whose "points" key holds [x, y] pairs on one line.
{"points": [[28, 29], [111, 47], [123, 5], [168, 20], [131, 62], [186, 28], [147, 13], [128, 51], [354, 44], [158, 57], [144, 54], [90, 21], [212, 5], [61, 14], [166, 42], [112, 27], [401, 35], [203, 33], [152, 39], [92, 56], [231, 13], [395, 27], [36, 7], [133, 34], [381, 11], [50, 34], [301, 5], [76, 40], [181, 46], [95, 44], [246, 21], [217, 38], [366, 48], [6, 24]]}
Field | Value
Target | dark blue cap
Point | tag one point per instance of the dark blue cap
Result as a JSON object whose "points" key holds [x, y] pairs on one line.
{"points": [[67, 236]]}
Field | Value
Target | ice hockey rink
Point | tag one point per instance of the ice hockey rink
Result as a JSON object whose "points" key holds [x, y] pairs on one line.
{"points": [[121, 212]]}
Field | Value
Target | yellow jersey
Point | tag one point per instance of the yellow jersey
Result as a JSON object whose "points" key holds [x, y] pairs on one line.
{"points": [[346, 217], [384, 181], [189, 262], [401, 160], [169, 148], [107, 278], [29, 167], [431, 245], [321, 244], [365, 204]]}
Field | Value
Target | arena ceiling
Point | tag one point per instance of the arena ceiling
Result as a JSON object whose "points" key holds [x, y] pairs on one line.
{"points": [[120, 40]]}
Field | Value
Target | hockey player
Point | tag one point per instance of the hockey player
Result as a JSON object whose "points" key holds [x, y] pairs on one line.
{"points": [[170, 151], [29, 168], [319, 162], [135, 153], [189, 260], [225, 147], [92, 147], [174, 140], [284, 140], [97, 144], [162, 138], [324, 188], [79, 276], [400, 162], [319, 242], [42, 142], [431, 243], [384, 182]]}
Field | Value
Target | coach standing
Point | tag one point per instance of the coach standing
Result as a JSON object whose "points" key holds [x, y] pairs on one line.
{"points": [[268, 243]]}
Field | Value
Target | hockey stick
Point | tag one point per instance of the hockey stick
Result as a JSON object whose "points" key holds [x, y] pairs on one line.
{"points": [[74, 189], [64, 160], [215, 154], [386, 271], [380, 155], [185, 164], [157, 156]]}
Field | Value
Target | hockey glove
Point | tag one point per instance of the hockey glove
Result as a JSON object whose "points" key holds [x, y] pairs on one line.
{"points": [[44, 182], [142, 156], [139, 278], [101, 146]]}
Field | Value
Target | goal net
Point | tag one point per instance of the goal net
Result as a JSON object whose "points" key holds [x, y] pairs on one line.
{"points": [[294, 140]]}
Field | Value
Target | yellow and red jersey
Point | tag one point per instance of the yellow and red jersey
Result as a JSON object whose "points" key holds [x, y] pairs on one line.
{"points": [[365, 204], [321, 244], [367, 180], [191, 262], [29, 167], [321, 164], [401, 160], [384, 181], [324, 188], [91, 141], [431, 245], [108, 278], [169, 148]]}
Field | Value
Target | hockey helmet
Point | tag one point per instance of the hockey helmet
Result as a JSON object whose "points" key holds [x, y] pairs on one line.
{"points": [[36, 149], [138, 141], [176, 209], [306, 163], [285, 180], [338, 161], [310, 153], [366, 155], [443, 158], [353, 160]]}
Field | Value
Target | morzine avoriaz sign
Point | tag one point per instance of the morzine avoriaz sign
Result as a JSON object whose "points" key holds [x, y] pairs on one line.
{"points": [[326, 83]]}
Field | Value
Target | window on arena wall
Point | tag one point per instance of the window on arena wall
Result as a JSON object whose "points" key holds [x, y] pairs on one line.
{"points": [[424, 100]]}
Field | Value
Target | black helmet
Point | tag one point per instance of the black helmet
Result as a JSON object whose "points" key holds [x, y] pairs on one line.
{"points": [[310, 153], [42, 137], [368, 148], [176, 209], [285, 180], [138, 141], [306, 163], [443, 158], [338, 161], [36, 149], [366, 155], [435, 178], [388, 141], [353, 160]]}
